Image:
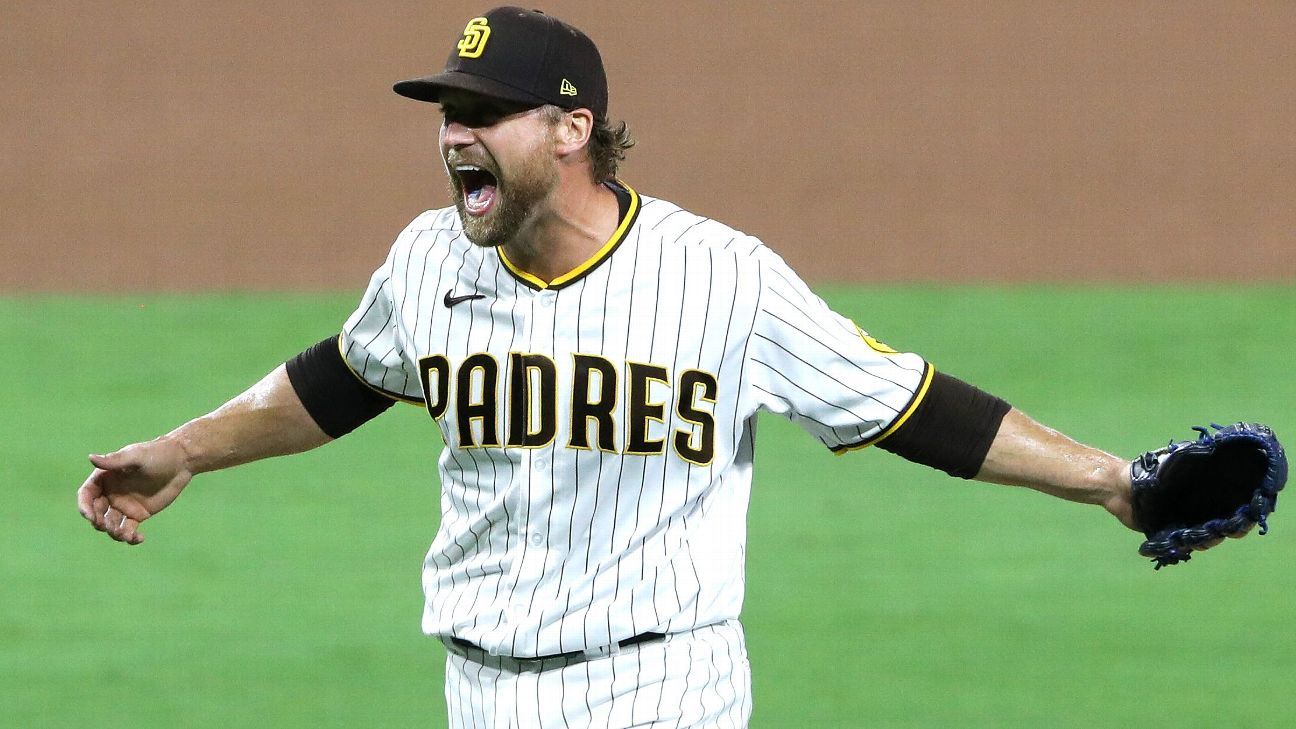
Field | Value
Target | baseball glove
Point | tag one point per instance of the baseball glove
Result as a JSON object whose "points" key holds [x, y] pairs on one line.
{"points": [[1193, 492]]}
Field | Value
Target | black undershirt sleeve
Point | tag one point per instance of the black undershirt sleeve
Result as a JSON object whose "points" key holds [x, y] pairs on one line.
{"points": [[337, 399], [951, 429]]}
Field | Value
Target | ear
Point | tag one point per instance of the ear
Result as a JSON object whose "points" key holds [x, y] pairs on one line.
{"points": [[573, 131]]}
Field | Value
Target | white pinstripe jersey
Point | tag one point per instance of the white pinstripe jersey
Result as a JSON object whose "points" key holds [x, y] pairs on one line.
{"points": [[599, 430]]}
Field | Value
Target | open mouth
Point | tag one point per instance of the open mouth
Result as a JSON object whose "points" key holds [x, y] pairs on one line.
{"points": [[479, 187]]}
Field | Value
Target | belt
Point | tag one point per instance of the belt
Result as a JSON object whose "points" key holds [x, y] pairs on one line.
{"points": [[476, 653]]}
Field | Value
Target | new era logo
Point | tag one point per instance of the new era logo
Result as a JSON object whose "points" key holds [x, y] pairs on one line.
{"points": [[567, 89]]}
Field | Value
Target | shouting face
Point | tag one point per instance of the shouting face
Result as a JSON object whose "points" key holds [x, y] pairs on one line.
{"points": [[499, 157]]}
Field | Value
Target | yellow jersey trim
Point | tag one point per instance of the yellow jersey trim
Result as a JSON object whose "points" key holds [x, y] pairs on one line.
{"points": [[590, 263], [379, 390], [899, 421], [532, 281]]}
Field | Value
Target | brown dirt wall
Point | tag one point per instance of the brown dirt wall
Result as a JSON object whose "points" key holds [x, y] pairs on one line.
{"points": [[257, 145]]}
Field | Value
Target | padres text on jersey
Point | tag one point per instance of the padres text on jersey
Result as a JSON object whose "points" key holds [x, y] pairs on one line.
{"points": [[599, 428]]}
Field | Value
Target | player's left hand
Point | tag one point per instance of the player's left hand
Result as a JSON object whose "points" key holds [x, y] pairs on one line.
{"points": [[1121, 504], [1189, 495]]}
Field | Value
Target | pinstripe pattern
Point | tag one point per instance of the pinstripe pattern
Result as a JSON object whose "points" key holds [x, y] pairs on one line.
{"points": [[700, 678], [554, 549]]}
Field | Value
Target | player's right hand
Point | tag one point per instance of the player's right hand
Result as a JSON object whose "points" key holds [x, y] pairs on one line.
{"points": [[131, 485]]}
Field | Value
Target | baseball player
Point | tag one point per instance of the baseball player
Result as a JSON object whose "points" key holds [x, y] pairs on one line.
{"points": [[595, 359]]}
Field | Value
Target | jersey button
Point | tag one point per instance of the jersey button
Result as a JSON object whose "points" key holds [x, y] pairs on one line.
{"points": [[537, 539], [541, 462]]}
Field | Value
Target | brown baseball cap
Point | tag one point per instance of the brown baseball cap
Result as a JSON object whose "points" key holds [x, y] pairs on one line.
{"points": [[523, 56]]}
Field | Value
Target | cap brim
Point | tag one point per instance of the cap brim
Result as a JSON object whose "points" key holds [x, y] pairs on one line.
{"points": [[429, 88]]}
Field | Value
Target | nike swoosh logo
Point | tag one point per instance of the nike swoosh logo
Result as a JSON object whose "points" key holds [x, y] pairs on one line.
{"points": [[452, 300]]}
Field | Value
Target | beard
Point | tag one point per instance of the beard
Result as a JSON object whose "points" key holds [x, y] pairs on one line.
{"points": [[517, 195]]}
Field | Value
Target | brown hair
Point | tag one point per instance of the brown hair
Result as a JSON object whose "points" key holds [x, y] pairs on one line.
{"points": [[607, 148]]}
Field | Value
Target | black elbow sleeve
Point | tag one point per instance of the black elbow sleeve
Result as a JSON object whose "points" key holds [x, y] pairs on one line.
{"points": [[337, 400], [951, 429]]}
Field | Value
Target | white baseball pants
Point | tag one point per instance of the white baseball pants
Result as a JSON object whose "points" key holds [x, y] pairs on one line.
{"points": [[696, 679]]}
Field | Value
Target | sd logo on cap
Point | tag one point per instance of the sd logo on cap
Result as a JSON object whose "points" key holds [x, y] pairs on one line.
{"points": [[534, 59]]}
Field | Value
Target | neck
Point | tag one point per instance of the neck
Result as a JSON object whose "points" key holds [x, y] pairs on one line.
{"points": [[579, 218]]}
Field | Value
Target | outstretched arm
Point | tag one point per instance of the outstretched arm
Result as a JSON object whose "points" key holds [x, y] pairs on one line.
{"points": [[971, 434], [1026, 453], [132, 484]]}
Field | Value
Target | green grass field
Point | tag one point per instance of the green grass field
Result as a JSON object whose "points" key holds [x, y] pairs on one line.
{"points": [[286, 593]]}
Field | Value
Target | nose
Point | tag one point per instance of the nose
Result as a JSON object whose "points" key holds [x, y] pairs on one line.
{"points": [[454, 134]]}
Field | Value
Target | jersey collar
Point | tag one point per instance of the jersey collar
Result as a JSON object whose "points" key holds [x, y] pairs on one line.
{"points": [[628, 202]]}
